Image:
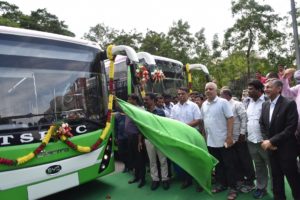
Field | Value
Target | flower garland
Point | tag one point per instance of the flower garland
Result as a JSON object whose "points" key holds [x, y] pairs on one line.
{"points": [[189, 74], [157, 75], [61, 131], [142, 74]]}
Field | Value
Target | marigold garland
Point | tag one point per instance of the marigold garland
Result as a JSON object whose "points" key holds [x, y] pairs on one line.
{"points": [[61, 131], [189, 74]]}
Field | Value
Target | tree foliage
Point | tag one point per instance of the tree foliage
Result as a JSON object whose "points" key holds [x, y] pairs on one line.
{"points": [[9, 14], [157, 44], [105, 35], [101, 34], [255, 26], [40, 20], [256, 41], [132, 38], [201, 48], [182, 40]]}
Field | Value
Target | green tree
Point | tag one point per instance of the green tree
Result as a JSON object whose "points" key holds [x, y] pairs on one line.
{"points": [[216, 47], [157, 44], [105, 35], [182, 40], [256, 25], [201, 48], [40, 20], [132, 39], [9, 14], [102, 34], [200, 54]]}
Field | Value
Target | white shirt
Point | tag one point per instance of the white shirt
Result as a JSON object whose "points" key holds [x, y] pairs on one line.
{"points": [[186, 112], [168, 109], [272, 106], [215, 116], [253, 115], [240, 119]]}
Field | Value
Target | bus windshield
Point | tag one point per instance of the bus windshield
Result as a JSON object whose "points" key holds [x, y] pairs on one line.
{"points": [[45, 81], [174, 78]]}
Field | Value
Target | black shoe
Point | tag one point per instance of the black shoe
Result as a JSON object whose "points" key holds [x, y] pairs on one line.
{"points": [[154, 185], [133, 181], [142, 183], [186, 184], [165, 185]]}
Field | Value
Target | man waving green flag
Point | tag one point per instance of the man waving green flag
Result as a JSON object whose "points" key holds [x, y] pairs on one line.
{"points": [[178, 141]]}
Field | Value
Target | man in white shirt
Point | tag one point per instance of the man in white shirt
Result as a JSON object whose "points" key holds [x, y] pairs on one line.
{"points": [[187, 112], [218, 123], [255, 137], [245, 169], [168, 104]]}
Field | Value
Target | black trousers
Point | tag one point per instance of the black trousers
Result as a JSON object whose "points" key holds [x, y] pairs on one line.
{"points": [[284, 166], [136, 159], [123, 151], [225, 169], [182, 174], [244, 163]]}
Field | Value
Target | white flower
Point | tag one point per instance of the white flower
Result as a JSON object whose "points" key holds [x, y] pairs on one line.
{"points": [[64, 125]]}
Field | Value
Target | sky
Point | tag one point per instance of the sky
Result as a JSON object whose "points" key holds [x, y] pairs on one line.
{"points": [[157, 15]]}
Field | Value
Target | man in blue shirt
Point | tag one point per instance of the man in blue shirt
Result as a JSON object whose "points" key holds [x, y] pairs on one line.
{"points": [[136, 148], [153, 152]]}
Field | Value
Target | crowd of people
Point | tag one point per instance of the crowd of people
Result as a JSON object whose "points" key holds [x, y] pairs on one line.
{"points": [[256, 139]]}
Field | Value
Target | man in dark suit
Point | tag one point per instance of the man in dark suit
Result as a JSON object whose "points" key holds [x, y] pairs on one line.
{"points": [[278, 123]]}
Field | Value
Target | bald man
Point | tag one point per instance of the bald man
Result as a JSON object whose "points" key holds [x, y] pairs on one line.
{"points": [[218, 123]]}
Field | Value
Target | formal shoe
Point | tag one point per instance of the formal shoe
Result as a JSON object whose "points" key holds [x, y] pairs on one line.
{"points": [[154, 185], [166, 185], [186, 184], [133, 181], [259, 193], [142, 183]]}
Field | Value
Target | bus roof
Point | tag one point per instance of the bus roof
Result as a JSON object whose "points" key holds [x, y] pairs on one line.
{"points": [[45, 35], [118, 59], [168, 59]]}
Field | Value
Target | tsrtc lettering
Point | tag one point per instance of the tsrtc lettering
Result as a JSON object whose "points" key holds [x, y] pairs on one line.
{"points": [[81, 129], [42, 134], [26, 137], [5, 139], [31, 137]]}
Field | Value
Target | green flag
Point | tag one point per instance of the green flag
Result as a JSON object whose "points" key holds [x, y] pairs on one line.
{"points": [[178, 141]]}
